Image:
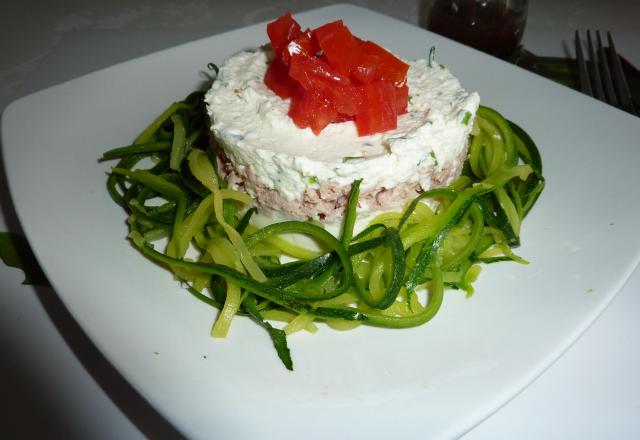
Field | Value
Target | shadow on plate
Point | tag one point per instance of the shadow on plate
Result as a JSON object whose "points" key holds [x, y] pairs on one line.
{"points": [[30, 414]]}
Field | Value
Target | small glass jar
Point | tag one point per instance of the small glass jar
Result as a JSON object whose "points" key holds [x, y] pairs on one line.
{"points": [[493, 26]]}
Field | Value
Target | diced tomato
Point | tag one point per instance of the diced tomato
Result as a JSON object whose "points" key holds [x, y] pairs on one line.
{"points": [[389, 67], [380, 114], [365, 71], [321, 32], [341, 49], [349, 100], [311, 109], [333, 76], [316, 76], [281, 31], [277, 79], [311, 73], [402, 99], [303, 44]]}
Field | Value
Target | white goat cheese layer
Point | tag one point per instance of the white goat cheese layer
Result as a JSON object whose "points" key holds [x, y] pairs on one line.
{"points": [[252, 126]]}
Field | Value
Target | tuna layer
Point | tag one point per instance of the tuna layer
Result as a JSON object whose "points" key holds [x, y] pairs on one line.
{"points": [[328, 201]]}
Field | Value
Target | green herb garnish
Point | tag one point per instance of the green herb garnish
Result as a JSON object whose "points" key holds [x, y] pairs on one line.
{"points": [[433, 156], [432, 57]]}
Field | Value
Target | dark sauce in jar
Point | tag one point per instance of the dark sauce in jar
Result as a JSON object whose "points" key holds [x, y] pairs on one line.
{"points": [[488, 25]]}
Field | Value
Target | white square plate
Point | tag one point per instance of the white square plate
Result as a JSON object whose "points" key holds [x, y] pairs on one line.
{"points": [[435, 381]]}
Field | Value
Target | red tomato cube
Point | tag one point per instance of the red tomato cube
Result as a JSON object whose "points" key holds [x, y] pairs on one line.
{"points": [[341, 49], [311, 72], [349, 100], [277, 79], [303, 44], [281, 31], [389, 68], [323, 31], [380, 113], [311, 109], [364, 71]]}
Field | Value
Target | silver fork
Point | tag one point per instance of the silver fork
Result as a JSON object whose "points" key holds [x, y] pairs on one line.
{"points": [[602, 77]]}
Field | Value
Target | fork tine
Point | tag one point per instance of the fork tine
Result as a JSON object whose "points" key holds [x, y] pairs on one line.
{"points": [[595, 73], [606, 75], [583, 75], [620, 80]]}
